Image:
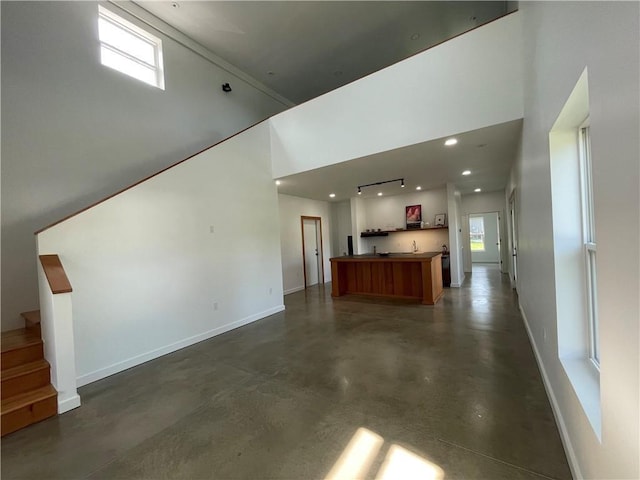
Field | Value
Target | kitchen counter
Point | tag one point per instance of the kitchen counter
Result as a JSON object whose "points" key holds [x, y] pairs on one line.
{"points": [[402, 275]]}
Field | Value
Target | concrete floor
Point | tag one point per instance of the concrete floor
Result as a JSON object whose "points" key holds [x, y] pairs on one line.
{"points": [[452, 388]]}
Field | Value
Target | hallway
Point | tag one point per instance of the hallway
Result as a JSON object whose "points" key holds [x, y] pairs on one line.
{"points": [[455, 384]]}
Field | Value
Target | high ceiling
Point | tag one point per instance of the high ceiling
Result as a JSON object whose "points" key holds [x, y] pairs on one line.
{"points": [[302, 49]]}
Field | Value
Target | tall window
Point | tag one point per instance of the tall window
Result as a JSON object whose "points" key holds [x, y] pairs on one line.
{"points": [[476, 232], [129, 49], [589, 241]]}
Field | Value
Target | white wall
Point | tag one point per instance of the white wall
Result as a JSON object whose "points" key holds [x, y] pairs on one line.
{"points": [[147, 269], [340, 227], [469, 82], [560, 40], [291, 209], [388, 213], [483, 203], [74, 131]]}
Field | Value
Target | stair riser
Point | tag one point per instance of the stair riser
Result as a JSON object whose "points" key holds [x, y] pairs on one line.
{"points": [[26, 382], [21, 356], [29, 414]]}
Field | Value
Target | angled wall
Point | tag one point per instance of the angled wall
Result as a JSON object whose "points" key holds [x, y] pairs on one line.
{"points": [[469, 82], [74, 131], [186, 255]]}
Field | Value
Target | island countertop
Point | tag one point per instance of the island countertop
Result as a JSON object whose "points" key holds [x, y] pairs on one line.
{"points": [[404, 275], [388, 255]]}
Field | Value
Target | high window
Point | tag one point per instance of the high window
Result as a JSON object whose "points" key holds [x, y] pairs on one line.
{"points": [[129, 49]]}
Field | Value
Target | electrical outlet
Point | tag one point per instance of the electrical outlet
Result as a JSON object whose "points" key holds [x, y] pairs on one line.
{"points": [[270, 290], [215, 305], [211, 229]]}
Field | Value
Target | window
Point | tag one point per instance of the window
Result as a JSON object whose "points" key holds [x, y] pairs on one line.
{"points": [[574, 252], [129, 49], [589, 240], [476, 232]]}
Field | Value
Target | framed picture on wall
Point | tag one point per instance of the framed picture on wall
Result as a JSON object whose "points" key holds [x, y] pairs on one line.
{"points": [[413, 216], [441, 220]]}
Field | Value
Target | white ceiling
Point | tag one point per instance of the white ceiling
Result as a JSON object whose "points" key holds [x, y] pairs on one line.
{"points": [[487, 152], [302, 49]]}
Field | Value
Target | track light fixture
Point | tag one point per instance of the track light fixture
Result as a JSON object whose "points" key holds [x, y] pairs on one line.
{"points": [[360, 187], [226, 87]]}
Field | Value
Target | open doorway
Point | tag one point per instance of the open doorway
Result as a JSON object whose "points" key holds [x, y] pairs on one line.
{"points": [[312, 254], [484, 238]]}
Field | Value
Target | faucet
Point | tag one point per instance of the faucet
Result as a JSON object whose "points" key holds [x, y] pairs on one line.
{"points": [[415, 247]]}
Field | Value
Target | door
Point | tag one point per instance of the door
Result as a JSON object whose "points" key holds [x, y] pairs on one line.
{"points": [[484, 236], [513, 239], [312, 256]]}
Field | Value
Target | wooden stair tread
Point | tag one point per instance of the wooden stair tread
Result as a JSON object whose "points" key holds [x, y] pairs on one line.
{"points": [[19, 338], [24, 399], [23, 369], [32, 317]]}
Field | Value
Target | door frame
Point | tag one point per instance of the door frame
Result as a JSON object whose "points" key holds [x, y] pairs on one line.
{"points": [[513, 239], [500, 233], [318, 221]]}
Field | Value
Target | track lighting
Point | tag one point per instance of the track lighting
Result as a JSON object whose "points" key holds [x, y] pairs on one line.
{"points": [[360, 187], [226, 87]]}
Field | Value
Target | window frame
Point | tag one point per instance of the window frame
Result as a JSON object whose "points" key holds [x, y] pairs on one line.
{"points": [[129, 28], [589, 239]]}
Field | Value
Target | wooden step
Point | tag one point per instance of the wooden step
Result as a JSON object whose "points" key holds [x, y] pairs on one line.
{"points": [[19, 347], [27, 408], [32, 320], [23, 378]]}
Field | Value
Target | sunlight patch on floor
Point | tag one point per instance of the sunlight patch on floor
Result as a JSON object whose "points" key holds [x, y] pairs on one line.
{"points": [[361, 451]]}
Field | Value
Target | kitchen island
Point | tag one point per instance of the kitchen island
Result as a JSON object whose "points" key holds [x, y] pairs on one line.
{"points": [[402, 275]]}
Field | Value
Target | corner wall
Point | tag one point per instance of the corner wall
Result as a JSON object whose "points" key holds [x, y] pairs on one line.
{"points": [[74, 131], [175, 260], [560, 40]]}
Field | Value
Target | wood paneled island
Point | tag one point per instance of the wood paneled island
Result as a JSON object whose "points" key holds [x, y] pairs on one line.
{"points": [[402, 275]]}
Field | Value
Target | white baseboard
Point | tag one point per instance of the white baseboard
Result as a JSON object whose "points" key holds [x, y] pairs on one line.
{"points": [[293, 290], [555, 408], [158, 352], [66, 404]]}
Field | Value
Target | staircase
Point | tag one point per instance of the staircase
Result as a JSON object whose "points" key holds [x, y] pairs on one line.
{"points": [[27, 394]]}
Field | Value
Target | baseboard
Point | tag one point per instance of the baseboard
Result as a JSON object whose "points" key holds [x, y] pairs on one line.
{"points": [[293, 290], [557, 414], [64, 405], [158, 352]]}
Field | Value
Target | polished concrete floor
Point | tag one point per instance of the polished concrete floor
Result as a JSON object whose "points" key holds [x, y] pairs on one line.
{"points": [[351, 387]]}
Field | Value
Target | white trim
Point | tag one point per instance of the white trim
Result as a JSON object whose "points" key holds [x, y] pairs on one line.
{"points": [[455, 285], [167, 30], [158, 352], [555, 408], [68, 403], [293, 290]]}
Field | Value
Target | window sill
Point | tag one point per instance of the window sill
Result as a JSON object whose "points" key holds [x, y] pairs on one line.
{"points": [[585, 380]]}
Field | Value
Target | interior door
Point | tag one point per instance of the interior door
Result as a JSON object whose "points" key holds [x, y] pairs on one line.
{"points": [[312, 251]]}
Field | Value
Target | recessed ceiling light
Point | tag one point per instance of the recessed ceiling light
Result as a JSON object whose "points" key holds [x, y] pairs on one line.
{"points": [[478, 190], [415, 36], [451, 141], [379, 194], [467, 172], [278, 182], [418, 187], [332, 195]]}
